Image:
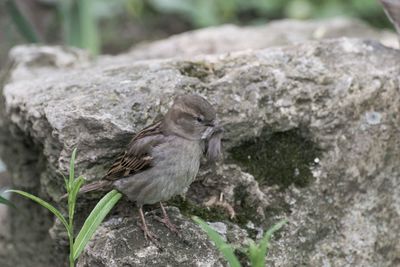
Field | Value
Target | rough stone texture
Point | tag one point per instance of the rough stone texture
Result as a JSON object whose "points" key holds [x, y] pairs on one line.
{"points": [[191, 249], [342, 95], [4, 218], [228, 38]]}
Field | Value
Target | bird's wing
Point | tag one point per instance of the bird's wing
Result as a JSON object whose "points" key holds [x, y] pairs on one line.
{"points": [[137, 157]]}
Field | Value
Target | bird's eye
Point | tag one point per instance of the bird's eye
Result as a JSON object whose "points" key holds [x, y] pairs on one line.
{"points": [[199, 119]]}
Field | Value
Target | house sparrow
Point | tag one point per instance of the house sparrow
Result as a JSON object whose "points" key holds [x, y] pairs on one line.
{"points": [[163, 159]]}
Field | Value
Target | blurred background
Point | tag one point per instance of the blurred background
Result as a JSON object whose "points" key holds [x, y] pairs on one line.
{"points": [[110, 27]]}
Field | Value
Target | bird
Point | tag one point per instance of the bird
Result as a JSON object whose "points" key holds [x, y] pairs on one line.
{"points": [[163, 159]]}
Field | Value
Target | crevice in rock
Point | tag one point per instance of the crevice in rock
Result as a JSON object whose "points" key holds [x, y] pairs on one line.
{"points": [[280, 158], [225, 194], [189, 208], [199, 70]]}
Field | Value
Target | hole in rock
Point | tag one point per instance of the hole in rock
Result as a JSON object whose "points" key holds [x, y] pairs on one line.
{"points": [[281, 158]]}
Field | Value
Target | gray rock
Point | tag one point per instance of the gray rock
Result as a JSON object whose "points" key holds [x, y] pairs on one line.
{"points": [[219, 227], [282, 108], [192, 248], [2, 167], [229, 38]]}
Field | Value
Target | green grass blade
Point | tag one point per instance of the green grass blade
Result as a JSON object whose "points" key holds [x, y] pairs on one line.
{"points": [[222, 246], [44, 204], [65, 12], [66, 183], [255, 256], [74, 36], [7, 202], [262, 248], [77, 183], [72, 169], [92, 222], [88, 26], [265, 241], [22, 24]]}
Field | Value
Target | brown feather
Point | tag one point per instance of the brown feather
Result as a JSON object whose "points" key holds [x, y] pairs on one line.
{"points": [[131, 161]]}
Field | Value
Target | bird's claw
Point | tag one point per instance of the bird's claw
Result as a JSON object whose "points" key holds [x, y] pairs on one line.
{"points": [[149, 235], [166, 221]]}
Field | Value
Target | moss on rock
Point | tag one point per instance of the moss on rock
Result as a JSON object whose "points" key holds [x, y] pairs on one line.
{"points": [[189, 209], [281, 158], [199, 70]]}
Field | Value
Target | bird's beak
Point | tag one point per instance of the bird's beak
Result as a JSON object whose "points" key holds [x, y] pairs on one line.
{"points": [[207, 132], [210, 129]]}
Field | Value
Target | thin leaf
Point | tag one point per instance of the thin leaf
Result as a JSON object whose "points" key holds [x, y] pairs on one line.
{"points": [[222, 246], [72, 196], [92, 222], [88, 26], [22, 24], [258, 252], [44, 204], [74, 36], [265, 241], [80, 24], [68, 12], [66, 182], [72, 169], [254, 254], [7, 202]]}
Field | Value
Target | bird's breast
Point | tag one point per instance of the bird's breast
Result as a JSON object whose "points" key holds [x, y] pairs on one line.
{"points": [[178, 161], [175, 165]]}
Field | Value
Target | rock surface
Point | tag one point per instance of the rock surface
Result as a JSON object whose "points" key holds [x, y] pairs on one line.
{"points": [[311, 135], [229, 38], [192, 248]]}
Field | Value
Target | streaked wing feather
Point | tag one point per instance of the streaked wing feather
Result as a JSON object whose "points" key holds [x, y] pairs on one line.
{"points": [[132, 161]]}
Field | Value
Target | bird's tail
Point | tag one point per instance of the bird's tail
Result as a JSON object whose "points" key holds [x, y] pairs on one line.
{"points": [[102, 185]]}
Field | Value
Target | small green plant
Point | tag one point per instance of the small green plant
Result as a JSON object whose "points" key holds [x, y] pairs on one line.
{"points": [[103, 207], [5, 201], [255, 252]]}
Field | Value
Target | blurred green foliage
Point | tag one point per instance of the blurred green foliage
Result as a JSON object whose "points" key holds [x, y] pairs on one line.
{"points": [[202, 13], [24, 27], [80, 21]]}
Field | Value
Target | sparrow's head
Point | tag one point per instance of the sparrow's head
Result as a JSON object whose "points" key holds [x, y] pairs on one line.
{"points": [[191, 117]]}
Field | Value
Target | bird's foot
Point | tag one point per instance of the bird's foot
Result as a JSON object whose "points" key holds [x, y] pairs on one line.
{"points": [[167, 222], [149, 235]]}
